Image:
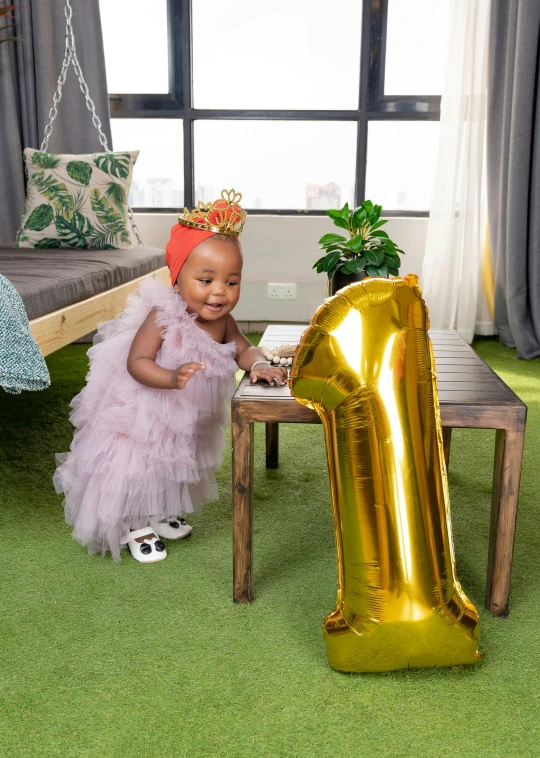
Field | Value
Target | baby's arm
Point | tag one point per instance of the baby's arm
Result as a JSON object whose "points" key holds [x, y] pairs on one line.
{"points": [[247, 355], [141, 361]]}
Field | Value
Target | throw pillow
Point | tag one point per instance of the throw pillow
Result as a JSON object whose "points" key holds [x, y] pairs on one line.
{"points": [[77, 200]]}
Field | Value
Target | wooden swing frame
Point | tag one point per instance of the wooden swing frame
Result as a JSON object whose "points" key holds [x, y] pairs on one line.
{"points": [[59, 328]]}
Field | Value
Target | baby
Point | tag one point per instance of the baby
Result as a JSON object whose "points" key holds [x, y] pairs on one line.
{"points": [[149, 422]]}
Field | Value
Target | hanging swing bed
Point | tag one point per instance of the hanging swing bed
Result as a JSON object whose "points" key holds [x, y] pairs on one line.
{"points": [[78, 252]]}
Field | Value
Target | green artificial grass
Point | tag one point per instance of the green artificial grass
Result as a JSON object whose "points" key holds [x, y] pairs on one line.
{"points": [[104, 659]]}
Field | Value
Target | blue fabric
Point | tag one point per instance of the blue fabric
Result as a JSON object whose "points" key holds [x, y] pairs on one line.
{"points": [[22, 366]]}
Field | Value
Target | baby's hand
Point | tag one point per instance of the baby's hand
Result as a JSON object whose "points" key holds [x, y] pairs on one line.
{"points": [[181, 376], [272, 374]]}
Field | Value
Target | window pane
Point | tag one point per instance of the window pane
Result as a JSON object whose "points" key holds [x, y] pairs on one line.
{"points": [[284, 54], [416, 42], [276, 164], [401, 164], [135, 40], [158, 175]]}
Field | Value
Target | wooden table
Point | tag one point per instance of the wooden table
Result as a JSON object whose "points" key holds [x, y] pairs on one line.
{"points": [[470, 395]]}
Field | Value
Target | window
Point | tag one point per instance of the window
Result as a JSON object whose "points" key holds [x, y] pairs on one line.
{"points": [[300, 111], [416, 38], [125, 35], [412, 170], [276, 55], [278, 164], [158, 175]]}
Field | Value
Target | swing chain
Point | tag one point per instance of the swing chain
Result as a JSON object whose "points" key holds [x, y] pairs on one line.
{"points": [[134, 225], [70, 56]]}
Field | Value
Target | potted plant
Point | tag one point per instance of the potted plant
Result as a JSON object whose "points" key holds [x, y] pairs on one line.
{"points": [[369, 251]]}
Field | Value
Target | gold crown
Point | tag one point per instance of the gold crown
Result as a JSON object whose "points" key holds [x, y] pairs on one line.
{"points": [[223, 216]]}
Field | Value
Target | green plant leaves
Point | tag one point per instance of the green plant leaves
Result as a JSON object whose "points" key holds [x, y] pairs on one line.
{"points": [[80, 171], [56, 192], [342, 223], [40, 218], [330, 260], [342, 214], [47, 242], [331, 239], [115, 164], [369, 248], [374, 213], [357, 265], [372, 270], [106, 214], [359, 217], [335, 214], [374, 255], [45, 160], [74, 231], [355, 244], [117, 195], [111, 221]]}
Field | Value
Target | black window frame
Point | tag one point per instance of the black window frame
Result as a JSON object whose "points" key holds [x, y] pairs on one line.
{"points": [[373, 103]]}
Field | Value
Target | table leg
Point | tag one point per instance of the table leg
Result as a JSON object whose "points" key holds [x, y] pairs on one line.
{"points": [[242, 510], [447, 439], [272, 444], [504, 502]]}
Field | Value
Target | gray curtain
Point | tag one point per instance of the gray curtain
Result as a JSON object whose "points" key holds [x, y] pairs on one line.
{"points": [[513, 171], [28, 79]]}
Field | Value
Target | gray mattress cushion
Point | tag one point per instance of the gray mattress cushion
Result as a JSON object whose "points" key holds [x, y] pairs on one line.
{"points": [[48, 280]]}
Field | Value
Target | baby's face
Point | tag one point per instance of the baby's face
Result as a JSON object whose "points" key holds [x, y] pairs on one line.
{"points": [[209, 280]]}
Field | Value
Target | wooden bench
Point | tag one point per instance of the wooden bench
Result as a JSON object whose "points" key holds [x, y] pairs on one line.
{"points": [[470, 395], [64, 326], [68, 292]]}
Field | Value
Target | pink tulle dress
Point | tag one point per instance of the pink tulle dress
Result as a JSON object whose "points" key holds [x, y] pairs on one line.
{"points": [[140, 452]]}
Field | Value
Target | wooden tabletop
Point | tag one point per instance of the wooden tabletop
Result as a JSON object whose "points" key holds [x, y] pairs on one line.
{"points": [[464, 380]]}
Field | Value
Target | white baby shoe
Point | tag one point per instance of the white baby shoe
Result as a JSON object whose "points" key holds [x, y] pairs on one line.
{"points": [[171, 528], [145, 546]]}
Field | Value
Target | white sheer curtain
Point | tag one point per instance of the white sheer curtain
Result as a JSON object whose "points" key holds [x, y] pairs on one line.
{"points": [[451, 272]]}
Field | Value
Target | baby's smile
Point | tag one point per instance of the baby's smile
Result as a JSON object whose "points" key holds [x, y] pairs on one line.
{"points": [[215, 307]]}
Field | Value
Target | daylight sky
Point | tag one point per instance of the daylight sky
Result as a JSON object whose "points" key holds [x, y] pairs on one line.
{"points": [[284, 54]]}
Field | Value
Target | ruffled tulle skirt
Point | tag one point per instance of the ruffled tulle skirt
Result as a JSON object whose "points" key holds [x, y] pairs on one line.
{"points": [[139, 452]]}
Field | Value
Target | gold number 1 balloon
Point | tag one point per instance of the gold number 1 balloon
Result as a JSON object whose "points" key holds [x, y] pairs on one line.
{"points": [[366, 366]]}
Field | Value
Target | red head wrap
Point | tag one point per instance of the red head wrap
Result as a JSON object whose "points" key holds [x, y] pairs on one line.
{"points": [[183, 240]]}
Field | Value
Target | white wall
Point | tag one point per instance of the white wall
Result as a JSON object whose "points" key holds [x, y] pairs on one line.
{"points": [[283, 249]]}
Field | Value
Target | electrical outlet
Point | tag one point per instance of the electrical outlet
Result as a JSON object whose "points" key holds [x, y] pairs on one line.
{"points": [[279, 291]]}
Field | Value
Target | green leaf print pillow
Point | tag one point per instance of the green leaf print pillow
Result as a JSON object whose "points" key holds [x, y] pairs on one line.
{"points": [[77, 200]]}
